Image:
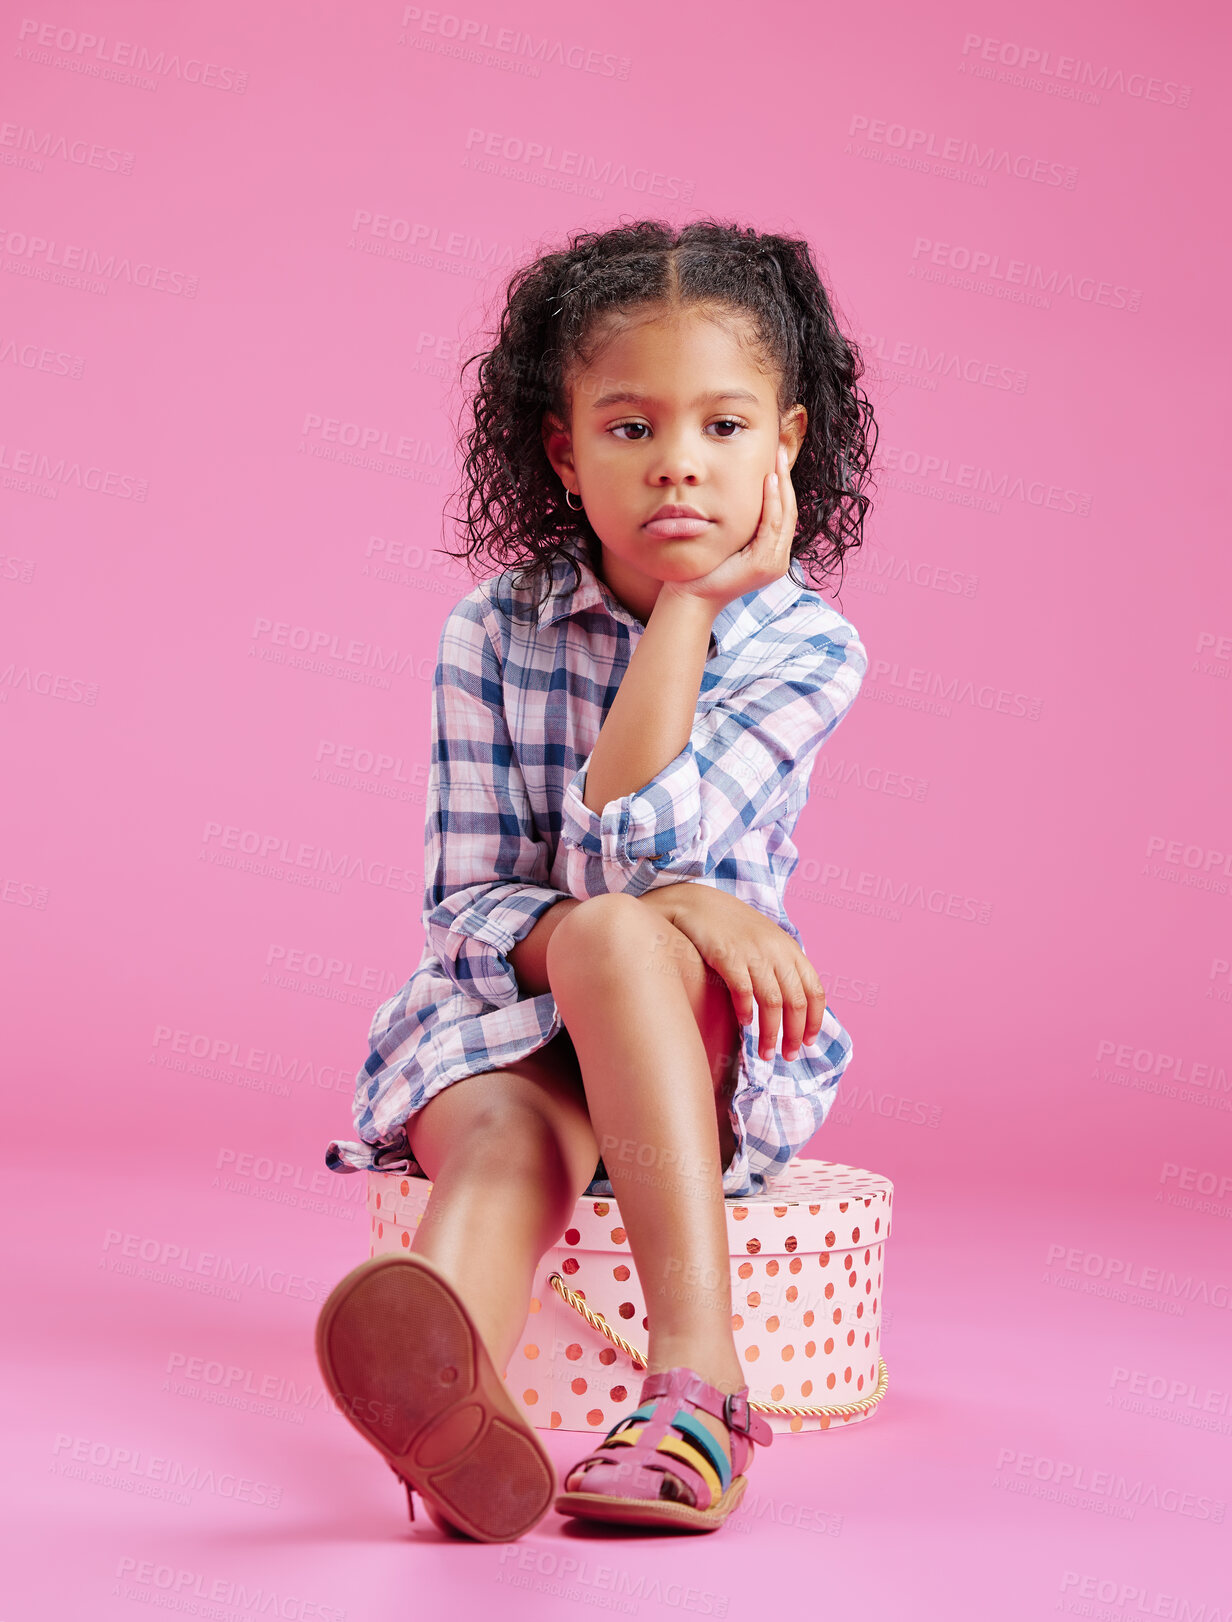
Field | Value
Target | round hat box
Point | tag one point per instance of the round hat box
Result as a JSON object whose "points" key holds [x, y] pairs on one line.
{"points": [[806, 1284]]}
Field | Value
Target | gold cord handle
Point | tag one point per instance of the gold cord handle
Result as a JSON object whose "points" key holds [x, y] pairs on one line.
{"points": [[835, 1411]]}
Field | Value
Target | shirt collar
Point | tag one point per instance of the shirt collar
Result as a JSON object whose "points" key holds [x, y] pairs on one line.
{"points": [[733, 624]]}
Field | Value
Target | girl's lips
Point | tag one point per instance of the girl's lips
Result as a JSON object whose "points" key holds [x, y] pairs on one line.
{"points": [[676, 529]]}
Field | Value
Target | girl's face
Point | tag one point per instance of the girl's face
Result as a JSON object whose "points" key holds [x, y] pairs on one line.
{"points": [[673, 410]]}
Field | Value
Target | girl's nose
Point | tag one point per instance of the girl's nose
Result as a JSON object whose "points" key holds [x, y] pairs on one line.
{"points": [[674, 465]]}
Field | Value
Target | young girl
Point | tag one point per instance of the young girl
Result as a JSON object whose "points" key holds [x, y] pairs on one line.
{"points": [[668, 419]]}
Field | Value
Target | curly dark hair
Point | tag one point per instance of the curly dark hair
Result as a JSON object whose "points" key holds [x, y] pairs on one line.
{"points": [[515, 511]]}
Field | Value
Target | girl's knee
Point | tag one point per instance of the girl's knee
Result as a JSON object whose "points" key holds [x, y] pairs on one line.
{"points": [[608, 935], [523, 1148], [590, 924], [517, 1125], [506, 1130]]}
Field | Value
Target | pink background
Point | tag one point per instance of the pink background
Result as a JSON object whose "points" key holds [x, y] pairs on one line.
{"points": [[304, 215]]}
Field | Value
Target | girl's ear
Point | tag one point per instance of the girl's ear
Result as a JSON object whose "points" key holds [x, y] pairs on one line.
{"points": [[792, 430], [557, 444]]}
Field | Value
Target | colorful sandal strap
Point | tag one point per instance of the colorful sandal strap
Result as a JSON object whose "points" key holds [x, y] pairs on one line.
{"points": [[707, 1443], [691, 1428], [694, 1435], [644, 1412], [696, 1463]]}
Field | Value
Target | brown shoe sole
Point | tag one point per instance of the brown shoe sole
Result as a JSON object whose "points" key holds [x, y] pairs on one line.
{"points": [[405, 1363]]}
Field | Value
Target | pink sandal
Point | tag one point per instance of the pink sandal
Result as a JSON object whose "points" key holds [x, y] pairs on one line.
{"points": [[661, 1437]]}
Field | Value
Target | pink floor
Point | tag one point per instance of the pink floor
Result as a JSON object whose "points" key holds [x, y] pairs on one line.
{"points": [[1053, 1441]]}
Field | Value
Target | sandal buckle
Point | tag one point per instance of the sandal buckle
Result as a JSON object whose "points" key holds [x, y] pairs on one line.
{"points": [[728, 1420]]}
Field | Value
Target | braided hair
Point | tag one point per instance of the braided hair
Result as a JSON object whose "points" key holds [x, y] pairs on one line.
{"points": [[515, 509]]}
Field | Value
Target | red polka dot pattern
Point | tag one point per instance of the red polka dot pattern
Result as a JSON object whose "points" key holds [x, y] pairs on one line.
{"points": [[806, 1289]]}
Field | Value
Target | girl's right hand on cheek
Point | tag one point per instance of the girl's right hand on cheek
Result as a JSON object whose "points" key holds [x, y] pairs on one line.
{"points": [[764, 970], [763, 559]]}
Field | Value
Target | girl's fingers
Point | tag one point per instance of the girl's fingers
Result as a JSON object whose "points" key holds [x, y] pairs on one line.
{"points": [[785, 511], [796, 1010], [815, 992], [772, 511], [774, 992], [788, 491], [769, 1003], [741, 989]]}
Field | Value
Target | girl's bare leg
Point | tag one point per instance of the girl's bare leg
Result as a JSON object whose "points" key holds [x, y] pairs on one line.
{"points": [[629, 987], [509, 1153]]}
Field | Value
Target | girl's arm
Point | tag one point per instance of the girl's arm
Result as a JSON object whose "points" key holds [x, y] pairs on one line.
{"points": [[741, 763], [653, 711]]}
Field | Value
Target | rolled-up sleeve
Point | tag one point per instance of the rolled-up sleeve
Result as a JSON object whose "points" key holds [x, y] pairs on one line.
{"points": [[485, 869], [749, 756]]}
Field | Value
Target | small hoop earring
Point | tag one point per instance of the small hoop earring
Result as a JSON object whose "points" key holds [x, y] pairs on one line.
{"points": [[569, 504]]}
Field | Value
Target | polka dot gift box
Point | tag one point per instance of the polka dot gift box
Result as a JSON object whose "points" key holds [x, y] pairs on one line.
{"points": [[806, 1272]]}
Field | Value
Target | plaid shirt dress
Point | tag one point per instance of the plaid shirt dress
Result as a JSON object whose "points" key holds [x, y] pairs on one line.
{"points": [[517, 708]]}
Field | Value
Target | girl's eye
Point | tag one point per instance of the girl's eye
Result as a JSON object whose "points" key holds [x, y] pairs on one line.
{"points": [[731, 422]]}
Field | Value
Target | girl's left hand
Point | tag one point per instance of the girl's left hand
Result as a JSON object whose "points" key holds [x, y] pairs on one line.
{"points": [[765, 971], [758, 563]]}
